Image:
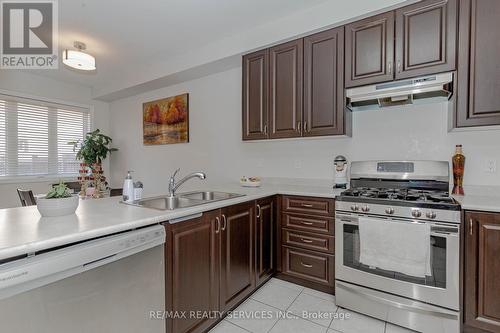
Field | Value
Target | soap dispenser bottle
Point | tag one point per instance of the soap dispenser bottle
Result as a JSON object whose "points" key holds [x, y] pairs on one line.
{"points": [[128, 188]]}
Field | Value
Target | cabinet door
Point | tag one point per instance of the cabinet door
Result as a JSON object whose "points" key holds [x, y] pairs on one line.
{"points": [[426, 38], [286, 90], [369, 50], [264, 239], [478, 70], [324, 83], [255, 95], [309, 265], [482, 271], [237, 257], [192, 272]]}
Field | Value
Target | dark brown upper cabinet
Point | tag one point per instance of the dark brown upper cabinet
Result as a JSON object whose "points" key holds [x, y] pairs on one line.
{"points": [[369, 50], [286, 70], [482, 269], [305, 89], [324, 83], [415, 40], [426, 34], [256, 94], [478, 70]]}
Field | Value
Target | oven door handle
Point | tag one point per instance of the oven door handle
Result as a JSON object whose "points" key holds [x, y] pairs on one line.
{"points": [[395, 304], [355, 220], [436, 230]]}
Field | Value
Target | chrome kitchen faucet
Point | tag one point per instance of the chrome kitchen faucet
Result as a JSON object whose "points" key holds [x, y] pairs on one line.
{"points": [[173, 185]]}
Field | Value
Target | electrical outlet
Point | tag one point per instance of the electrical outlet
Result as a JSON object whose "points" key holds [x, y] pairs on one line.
{"points": [[491, 166], [297, 164]]}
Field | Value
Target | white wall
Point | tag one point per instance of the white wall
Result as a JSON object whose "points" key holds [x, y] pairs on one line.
{"points": [[319, 17], [216, 146], [38, 86]]}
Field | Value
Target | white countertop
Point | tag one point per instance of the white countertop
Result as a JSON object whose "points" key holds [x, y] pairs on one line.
{"points": [[481, 198], [23, 230]]}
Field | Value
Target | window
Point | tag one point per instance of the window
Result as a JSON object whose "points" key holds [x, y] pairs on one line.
{"points": [[34, 137]]}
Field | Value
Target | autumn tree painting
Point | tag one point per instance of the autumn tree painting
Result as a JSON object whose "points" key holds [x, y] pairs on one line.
{"points": [[166, 120]]}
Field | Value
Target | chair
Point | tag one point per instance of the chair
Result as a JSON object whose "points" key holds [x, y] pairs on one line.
{"points": [[26, 197], [115, 192]]}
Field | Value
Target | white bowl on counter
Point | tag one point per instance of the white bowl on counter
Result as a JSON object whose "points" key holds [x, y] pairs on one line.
{"points": [[57, 207], [246, 182]]}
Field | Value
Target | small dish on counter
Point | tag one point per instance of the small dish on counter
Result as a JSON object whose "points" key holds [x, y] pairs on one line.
{"points": [[250, 181]]}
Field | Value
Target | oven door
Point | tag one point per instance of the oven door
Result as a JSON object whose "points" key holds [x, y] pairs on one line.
{"points": [[441, 288]]}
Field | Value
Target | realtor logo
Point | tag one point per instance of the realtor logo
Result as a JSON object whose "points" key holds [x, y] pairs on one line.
{"points": [[28, 34]]}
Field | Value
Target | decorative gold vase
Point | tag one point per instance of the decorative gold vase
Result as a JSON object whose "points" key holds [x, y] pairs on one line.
{"points": [[83, 179], [458, 170], [98, 178]]}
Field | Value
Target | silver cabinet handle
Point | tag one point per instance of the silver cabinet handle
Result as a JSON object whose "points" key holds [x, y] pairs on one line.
{"points": [[307, 205], [306, 223], [265, 129], [299, 127], [399, 66], [217, 225], [306, 129], [306, 265], [390, 67], [470, 227], [258, 211], [224, 219], [305, 240]]}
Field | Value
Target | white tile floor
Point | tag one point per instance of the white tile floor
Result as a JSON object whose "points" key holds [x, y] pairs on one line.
{"points": [[283, 307]]}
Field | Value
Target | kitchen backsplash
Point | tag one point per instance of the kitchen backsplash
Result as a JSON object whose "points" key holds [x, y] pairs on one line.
{"points": [[411, 132]]}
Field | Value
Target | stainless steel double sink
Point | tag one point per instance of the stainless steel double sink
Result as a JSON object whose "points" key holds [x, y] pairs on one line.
{"points": [[183, 200]]}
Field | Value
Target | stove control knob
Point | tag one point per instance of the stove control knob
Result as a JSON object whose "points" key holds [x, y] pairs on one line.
{"points": [[365, 208], [430, 215], [389, 210], [416, 213], [354, 208]]}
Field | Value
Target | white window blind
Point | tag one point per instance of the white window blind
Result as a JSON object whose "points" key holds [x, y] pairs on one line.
{"points": [[34, 137]]}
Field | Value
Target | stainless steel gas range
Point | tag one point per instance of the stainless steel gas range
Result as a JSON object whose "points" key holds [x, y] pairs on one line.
{"points": [[392, 194]]}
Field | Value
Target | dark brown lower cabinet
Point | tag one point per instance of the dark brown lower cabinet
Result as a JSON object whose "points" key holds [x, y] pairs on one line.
{"points": [[192, 271], [210, 265], [482, 272], [313, 266], [237, 253], [307, 242], [264, 239]]}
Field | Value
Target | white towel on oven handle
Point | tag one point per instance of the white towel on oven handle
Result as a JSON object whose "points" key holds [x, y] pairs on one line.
{"points": [[399, 246]]}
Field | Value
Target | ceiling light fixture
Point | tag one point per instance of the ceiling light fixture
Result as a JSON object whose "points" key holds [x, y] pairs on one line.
{"points": [[78, 59]]}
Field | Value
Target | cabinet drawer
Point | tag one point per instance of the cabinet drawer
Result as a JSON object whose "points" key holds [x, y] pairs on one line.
{"points": [[306, 223], [313, 266], [317, 242], [308, 205]]}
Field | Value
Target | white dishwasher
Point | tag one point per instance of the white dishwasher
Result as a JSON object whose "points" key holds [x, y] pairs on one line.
{"points": [[105, 285]]}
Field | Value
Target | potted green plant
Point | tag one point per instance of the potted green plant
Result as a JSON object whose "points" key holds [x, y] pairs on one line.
{"points": [[92, 150], [58, 202]]}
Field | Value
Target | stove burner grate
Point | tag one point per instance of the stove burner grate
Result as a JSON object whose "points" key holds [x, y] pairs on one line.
{"points": [[412, 195]]}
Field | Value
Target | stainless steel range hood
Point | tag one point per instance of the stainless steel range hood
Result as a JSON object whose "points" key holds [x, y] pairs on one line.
{"points": [[426, 89]]}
